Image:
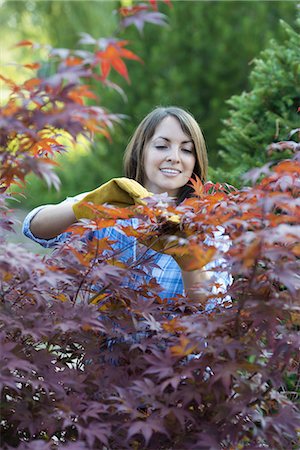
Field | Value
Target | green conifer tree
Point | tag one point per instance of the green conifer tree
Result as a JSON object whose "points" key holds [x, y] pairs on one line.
{"points": [[266, 113]]}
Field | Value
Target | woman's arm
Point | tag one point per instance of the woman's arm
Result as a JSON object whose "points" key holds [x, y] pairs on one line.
{"points": [[52, 220], [193, 281]]}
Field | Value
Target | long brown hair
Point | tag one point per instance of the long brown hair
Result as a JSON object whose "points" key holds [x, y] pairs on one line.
{"points": [[134, 153]]}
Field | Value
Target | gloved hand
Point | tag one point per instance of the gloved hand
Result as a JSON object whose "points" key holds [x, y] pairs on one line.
{"points": [[118, 192], [172, 239], [125, 192]]}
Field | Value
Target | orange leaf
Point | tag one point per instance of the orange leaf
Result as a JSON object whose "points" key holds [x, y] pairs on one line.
{"points": [[105, 68], [287, 166], [153, 3], [85, 92], [79, 92], [128, 54], [131, 11], [296, 250], [61, 297], [73, 61], [172, 326], [32, 83], [119, 65], [251, 253], [99, 298], [73, 95], [197, 185], [24, 43], [44, 145], [82, 258], [13, 86], [112, 57], [10, 109], [192, 257], [104, 133], [184, 348], [33, 66]]}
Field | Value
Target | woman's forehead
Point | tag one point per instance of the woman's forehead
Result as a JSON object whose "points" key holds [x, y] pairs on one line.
{"points": [[169, 127]]}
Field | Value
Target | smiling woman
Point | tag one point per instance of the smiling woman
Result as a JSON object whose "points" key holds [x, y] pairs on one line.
{"points": [[169, 158], [165, 152]]}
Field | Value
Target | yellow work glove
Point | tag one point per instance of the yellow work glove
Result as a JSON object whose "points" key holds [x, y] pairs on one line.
{"points": [[120, 192], [171, 239]]}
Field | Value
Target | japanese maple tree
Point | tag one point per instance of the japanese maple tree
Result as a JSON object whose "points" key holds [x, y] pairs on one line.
{"points": [[90, 362]]}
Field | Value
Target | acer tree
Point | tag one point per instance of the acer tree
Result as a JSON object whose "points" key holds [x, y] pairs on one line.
{"points": [[87, 363], [175, 69], [168, 375]]}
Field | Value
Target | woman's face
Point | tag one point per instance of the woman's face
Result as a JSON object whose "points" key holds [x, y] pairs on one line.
{"points": [[169, 158]]}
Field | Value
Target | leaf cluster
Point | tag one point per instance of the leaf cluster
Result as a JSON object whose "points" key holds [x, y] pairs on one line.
{"points": [[52, 105], [199, 68], [94, 357], [93, 363]]}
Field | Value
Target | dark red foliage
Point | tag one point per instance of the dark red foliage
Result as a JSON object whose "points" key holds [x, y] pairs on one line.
{"points": [[87, 361], [88, 364]]}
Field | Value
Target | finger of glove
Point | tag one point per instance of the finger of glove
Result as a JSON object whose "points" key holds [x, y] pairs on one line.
{"points": [[132, 187], [110, 193]]}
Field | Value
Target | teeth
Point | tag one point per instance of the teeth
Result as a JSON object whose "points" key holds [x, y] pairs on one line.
{"points": [[171, 171]]}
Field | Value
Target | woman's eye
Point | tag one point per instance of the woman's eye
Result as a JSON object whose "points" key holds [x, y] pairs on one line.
{"points": [[187, 150], [160, 147]]}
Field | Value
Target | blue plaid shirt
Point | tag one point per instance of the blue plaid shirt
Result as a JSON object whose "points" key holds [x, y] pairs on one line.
{"points": [[165, 269]]}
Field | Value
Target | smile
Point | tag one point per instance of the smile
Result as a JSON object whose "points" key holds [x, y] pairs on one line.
{"points": [[170, 172]]}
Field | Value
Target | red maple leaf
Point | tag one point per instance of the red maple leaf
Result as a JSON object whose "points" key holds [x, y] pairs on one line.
{"points": [[79, 92], [24, 43], [112, 57], [45, 146], [130, 11], [197, 185], [153, 3]]}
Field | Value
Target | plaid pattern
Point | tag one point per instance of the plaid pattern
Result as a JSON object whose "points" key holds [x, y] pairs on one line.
{"points": [[163, 267]]}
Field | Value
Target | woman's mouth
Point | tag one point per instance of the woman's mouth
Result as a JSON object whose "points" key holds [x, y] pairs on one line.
{"points": [[170, 172]]}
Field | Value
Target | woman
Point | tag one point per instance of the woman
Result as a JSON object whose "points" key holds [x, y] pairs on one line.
{"points": [[166, 150]]}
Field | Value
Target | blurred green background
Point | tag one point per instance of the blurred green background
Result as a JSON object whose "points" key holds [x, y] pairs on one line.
{"points": [[210, 52]]}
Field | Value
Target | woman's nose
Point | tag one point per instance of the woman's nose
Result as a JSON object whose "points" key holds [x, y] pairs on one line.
{"points": [[174, 154]]}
